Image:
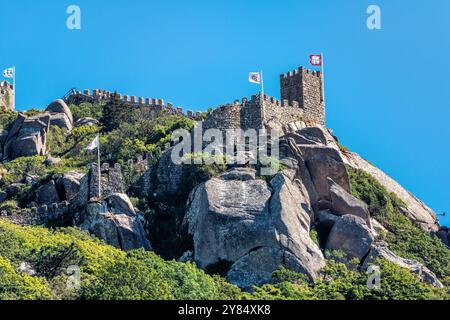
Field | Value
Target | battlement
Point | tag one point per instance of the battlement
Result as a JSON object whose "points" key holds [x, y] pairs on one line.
{"points": [[299, 71], [301, 99], [100, 95]]}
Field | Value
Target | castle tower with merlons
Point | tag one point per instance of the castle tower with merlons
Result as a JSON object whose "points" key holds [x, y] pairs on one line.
{"points": [[302, 101]]}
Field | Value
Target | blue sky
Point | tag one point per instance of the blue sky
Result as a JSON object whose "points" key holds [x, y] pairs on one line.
{"points": [[387, 91]]}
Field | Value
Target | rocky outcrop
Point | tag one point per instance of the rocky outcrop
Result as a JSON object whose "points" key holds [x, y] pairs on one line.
{"points": [[28, 137], [60, 115], [111, 217], [47, 193], [69, 184], [86, 122], [415, 209], [444, 235], [343, 203], [116, 222], [244, 221], [351, 235], [380, 250], [323, 163]]}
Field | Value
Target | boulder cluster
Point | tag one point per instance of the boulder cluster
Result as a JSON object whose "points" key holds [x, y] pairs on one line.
{"points": [[251, 226]]}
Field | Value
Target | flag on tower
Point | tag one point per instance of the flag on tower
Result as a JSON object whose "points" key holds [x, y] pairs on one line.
{"points": [[8, 73], [254, 77], [315, 60]]}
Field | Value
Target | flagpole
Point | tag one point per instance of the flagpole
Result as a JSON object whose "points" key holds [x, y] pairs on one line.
{"points": [[323, 79], [14, 87], [99, 171]]}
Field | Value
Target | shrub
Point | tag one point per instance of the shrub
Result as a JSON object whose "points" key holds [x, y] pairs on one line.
{"points": [[87, 110], [7, 118], [404, 237], [106, 272]]}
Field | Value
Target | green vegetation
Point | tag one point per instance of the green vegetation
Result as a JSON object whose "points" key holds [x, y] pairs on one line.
{"points": [[106, 272], [32, 112], [340, 282], [7, 119], [404, 237], [87, 110]]}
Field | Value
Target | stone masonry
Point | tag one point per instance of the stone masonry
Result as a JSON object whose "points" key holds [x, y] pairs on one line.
{"points": [[301, 100]]}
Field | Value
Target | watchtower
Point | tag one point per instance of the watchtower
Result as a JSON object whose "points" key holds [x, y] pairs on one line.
{"points": [[305, 87]]}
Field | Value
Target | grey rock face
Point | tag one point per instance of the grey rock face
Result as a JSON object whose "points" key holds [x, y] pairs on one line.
{"points": [[3, 196], [52, 160], [61, 120], [323, 163], [86, 122], [117, 226], [14, 188], [444, 235], [60, 108], [28, 137], [351, 235], [256, 267], [69, 184], [242, 174], [344, 203], [380, 250], [47, 194], [232, 220]]}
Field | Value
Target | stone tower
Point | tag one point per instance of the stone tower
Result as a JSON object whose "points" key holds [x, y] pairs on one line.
{"points": [[306, 87]]}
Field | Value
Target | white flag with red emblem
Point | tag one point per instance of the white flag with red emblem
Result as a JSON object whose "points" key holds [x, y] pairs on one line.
{"points": [[315, 60], [93, 145], [254, 77]]}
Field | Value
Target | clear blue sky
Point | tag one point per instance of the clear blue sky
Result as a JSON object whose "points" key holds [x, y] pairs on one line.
{"points": [[387, 91]]}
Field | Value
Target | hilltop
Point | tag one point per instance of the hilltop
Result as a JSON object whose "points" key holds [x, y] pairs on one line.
{"points": [[313, 229]]}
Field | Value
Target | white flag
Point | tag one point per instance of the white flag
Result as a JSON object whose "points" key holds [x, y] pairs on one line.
{"points": [[93, 145], [254, 77], [8, 73]]}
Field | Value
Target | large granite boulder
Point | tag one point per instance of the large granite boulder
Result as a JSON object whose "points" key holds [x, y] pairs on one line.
{"points": [[253, 226], [323, 163], [380, 251], [47, 193], [69, 184], [61, 115], [444, 235], [351, 235], [343, 203], [87, 121], [116, 222], [28, 137]]}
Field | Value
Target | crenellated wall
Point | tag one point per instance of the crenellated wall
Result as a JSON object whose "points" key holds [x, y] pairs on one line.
{"points": [[97, 95], [301, 100]]}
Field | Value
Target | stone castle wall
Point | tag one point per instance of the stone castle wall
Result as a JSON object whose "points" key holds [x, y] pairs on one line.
{"points": [[301, 100], [151, 104]]}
